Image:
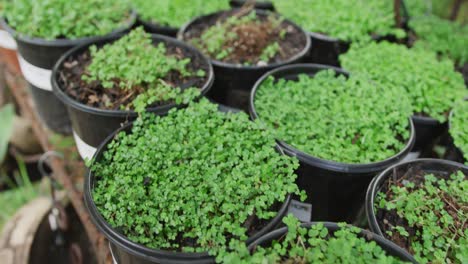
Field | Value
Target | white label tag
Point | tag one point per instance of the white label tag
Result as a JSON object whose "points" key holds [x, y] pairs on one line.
{"points": [[7, 41], [302, 211], [86, 151], [53, 222], [36, 76]]}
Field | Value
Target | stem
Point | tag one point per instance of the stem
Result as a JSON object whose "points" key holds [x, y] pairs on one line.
{"points": [[455, 9], [397, 8]]}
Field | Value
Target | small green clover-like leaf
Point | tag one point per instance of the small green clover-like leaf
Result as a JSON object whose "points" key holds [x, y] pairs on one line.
{"points": [[435, 209], [431, 83], [161, 183], [335, 118], [134, 63], [175, 13], [350, 21], [314, 245], [54, 19]]}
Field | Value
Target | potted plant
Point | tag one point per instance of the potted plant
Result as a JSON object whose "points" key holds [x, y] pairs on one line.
{"points": [[421, 206], [44, 30], [319, 242], [341, 129], [106, 82], [458, 129], [431, 83], [243, 44], [8, 46], [167, 16], [333, 25], [259, 4], [448, 38], [208, 177]]}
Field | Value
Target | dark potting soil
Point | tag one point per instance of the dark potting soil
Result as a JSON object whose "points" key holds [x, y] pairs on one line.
{"points": [[388, 219], [93, 94], [253, 38]]}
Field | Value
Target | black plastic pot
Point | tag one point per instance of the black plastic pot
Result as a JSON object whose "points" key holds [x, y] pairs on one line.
{"points": [[233, 83], [427, 131], [126, 251], [153, 28], [389, 247], [37, 58], [326, 50], [336, 190], [266, 5], [91, 126], [439, 168]]}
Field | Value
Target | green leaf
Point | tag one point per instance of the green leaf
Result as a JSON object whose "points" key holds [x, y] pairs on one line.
{"points": [[7, 114]]}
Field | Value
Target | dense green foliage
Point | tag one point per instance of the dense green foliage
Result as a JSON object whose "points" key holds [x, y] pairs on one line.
{"points": [[334, 118], [205, 175], [436, 212], [135, 63], [314, 245], [53, 19], [459, 127], [175, 13], [417, 8], [432, 85], [445, 37], [354, 20], [217, 40]]}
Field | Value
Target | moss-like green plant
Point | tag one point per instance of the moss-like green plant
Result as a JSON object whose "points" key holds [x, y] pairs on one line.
{"points": [[218, 41], [459, 127], [435, 213], [175, 13], [313, 245], [54, 19], [354, 20], [134, 63], [433, 85], [330, 117], [205, 177], [440, 8], [445, 37]]}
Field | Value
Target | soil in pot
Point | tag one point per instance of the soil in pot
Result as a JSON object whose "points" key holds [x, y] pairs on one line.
{"points": [[431, 83], [105, 83], [425, 211], [319, 243], [208, 177], [167, 16], [335, 126], [244, 42]]}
